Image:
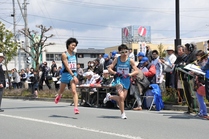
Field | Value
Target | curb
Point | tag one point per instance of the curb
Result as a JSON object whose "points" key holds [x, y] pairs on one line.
{"points": [[166, 106]]}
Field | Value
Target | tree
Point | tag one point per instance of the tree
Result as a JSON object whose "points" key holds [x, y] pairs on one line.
{"points": [[7, 46], [38, 43], [161, 50]]}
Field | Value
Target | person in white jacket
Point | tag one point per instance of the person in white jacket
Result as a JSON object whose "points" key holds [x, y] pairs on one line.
{"points": [[168, 64]]}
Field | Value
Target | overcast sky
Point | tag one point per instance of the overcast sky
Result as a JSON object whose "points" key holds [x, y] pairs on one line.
{"points": [[98, 23]]}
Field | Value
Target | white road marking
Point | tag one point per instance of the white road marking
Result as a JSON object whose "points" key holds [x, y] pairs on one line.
{"points": [[70, 126]]}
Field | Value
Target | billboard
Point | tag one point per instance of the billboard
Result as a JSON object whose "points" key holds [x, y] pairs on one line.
{"points": [[136, 34]]}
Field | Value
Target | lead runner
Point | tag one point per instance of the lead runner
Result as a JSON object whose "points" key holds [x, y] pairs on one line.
{"points": [[69, 72], [122, 75]]}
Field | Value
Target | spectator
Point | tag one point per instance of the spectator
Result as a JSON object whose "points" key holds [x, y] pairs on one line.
{"points": [[148, 69], [2, 80], [140, 55], [187, 80], [80, 73], [56, 75], [158, 66], [168, 64], [131, 54], [148, 53], [52, 66], [179, 63], [34, 83], [44, 76], [107, 62], [23, 78], [101, 59], [90, 67], [16, 78], [199, 86], [98, 68]]}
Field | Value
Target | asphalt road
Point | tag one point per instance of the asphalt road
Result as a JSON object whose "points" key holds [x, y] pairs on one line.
{"points": [[46, 120]]}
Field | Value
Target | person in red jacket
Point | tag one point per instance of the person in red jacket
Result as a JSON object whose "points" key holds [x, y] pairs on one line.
{"points": [[148, 69]]}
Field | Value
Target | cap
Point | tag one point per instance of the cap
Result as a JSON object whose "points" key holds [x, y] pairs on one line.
{"points": [[96, 76], [144, 59], [140, 54], [105, 56], [114, 53]]}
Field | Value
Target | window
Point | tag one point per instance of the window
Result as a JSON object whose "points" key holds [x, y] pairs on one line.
{"points": [[80, 56], [51, 57], [93, 56]]}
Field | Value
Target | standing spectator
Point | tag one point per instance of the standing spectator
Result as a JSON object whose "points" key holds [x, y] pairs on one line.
{"points": [[101, 59], [80, 73], [98, 68], [159, 68], [168, 64], [179, 63], [148, 53], [2, 80], [23, 78], [190, 51], [44, 76], [113, 54], [56, 75], [131, 54], [90, 67], [16, 78], [52, 66], [107, 62], [34, 78]]}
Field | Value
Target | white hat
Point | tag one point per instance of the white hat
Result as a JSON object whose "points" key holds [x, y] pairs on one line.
{"points": [[1, 55], [170, 48], [88, 73], [105, 71]]}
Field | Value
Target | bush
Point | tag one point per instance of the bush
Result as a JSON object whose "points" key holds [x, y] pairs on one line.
{"points": [[170, 96]]}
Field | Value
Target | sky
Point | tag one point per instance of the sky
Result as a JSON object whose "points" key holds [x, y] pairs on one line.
{"points": [[97, 23]]}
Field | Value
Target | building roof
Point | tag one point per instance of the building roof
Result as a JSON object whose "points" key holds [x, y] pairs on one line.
{"points": [[90, 51]]}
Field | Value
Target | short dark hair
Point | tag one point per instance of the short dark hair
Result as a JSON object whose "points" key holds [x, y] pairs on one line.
{"points": [[208, 41], [181, 46], [71, 40], [155, 51], [122, 46]]}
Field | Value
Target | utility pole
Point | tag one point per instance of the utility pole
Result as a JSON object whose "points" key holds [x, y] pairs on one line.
{"points": [[177, 41], [26, 28], [14, 26]]}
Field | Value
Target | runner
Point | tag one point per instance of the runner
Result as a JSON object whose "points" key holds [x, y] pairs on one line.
{"points": [[122, 74], [69, 72]]}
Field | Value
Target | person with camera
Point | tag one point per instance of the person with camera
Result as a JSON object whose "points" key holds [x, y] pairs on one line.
{"points": [[44, 76]]}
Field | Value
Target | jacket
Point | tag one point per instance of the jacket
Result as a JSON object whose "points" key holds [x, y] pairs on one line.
{"points": [[2, 77]]}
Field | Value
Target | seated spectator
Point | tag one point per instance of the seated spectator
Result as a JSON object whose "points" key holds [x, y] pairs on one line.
{"points": [[148, 69], [107, 79]]}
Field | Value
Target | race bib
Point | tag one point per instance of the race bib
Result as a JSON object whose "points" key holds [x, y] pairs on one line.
{"points": [[123, 71], [72, 65]]}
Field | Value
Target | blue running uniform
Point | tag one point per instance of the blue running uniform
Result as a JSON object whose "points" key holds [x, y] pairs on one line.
{"points": [[124, 69], [66, 76]]}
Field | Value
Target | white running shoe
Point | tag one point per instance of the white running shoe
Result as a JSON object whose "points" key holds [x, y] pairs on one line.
{"points": [[123, 116], [107, 98]]}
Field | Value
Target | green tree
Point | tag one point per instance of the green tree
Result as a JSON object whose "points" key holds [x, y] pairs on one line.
{"points": [[161, 50], [38, 43], [7, 46]]}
